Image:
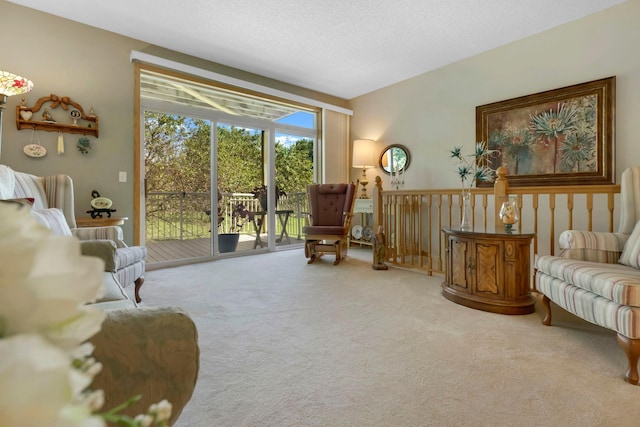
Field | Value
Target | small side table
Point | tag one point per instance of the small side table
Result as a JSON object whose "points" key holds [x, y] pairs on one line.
{"points": [[258, 222], [99, 222], [489, 271]]}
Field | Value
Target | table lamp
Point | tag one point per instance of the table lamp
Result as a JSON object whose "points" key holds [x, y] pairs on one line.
{"points": [[10, 85], [364, 157]]}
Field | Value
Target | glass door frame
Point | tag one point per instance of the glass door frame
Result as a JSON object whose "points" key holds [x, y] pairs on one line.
{"points": [[215, 118]]}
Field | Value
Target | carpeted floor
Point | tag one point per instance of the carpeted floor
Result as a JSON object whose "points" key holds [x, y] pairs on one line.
{"points": [[284, 343]]}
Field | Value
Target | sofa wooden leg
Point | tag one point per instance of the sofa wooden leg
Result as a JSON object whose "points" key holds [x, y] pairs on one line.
{"points": [[631, 348], [546, 303], [138, 284]]}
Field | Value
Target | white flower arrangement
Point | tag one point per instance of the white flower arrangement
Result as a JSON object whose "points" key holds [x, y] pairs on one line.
{"points": [[46, 366]]}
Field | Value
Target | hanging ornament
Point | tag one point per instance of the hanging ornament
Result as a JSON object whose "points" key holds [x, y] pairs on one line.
{"points": [[60, 143], [84, 145], [34, 150]]}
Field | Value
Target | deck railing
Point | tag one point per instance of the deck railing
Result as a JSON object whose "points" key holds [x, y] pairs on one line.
{"points": [[184, 215], [412, 220]]}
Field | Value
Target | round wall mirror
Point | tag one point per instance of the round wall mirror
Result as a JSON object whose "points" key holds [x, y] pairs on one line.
{"points": [[395, 158]]}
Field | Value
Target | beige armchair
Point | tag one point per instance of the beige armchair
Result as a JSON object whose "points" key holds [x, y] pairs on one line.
{"points": [[56, 192]]}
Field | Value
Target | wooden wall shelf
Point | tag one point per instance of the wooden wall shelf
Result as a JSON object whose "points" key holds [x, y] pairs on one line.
{"points": [[84, 124]]}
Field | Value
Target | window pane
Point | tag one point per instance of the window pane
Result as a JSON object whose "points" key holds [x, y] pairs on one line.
{"points": [[301, 119]]}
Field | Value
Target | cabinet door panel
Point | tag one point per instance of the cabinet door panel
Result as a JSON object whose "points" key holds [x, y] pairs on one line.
{"points": [[489, 269], [458, 264]]}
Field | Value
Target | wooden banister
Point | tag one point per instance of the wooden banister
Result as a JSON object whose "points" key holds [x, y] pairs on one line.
{"points": [[412, 219]]}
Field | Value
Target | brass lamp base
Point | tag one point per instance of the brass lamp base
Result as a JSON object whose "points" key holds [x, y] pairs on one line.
{"points": [[364, 182]]}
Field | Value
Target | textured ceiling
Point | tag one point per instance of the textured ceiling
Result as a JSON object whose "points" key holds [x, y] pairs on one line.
{"points": [[343, 48]]}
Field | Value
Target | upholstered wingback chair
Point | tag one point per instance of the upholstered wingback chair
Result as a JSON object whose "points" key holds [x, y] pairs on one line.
{"points": [[331, 207], [597, 275], [601, 246], [56, 192]]}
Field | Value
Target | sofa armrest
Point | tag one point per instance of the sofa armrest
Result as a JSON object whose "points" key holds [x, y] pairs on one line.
{"points": [[592, 245], [112, 232], [103, 249], [149, 351]]}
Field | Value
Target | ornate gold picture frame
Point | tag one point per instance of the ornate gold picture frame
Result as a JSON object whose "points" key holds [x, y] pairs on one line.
{"points": [[559, 137]]}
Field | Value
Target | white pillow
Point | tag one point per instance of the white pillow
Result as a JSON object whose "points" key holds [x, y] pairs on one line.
{"points": [[53, 219], [631, 252]]}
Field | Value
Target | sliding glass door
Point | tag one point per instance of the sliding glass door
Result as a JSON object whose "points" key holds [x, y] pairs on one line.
{"points": [[177, 190], [221, 165]]}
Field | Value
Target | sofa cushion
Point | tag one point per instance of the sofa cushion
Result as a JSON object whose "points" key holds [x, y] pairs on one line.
{"points": [[616, 282], [112, 290], [30, 186], [53, 219], [631, 252], [26, 202]]}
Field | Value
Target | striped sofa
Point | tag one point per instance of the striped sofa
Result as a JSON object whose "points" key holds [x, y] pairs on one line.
{"points": [[597, 275], [53, 204]]}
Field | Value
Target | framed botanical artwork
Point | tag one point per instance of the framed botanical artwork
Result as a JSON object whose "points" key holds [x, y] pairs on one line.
{"points": [[559, 137]]}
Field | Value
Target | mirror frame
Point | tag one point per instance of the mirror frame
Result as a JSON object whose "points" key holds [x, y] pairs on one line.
{"points": [[390, 147]]}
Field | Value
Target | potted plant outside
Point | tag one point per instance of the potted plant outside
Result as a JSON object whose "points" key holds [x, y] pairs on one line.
{"points": [[261, 193], [239, 215]]}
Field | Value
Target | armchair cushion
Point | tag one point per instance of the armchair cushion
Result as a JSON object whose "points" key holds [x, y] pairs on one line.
{"points": [[592, 246], [29, 186], [614, 282], [103, 249], [26, 201], [53, 219], [113, 293], [631, 252]]}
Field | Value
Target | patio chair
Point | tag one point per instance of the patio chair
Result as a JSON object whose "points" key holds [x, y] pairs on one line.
{"points": [[331, 207]]}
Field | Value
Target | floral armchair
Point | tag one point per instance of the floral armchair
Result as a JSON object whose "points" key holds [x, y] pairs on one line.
{"points": [[54, 192]]}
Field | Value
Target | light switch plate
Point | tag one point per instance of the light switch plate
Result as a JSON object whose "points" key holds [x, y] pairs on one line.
{"points": [[123, 176]]}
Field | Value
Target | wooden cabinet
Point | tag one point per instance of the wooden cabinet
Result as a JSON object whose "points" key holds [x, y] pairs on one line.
{"points": [[489, 271]]}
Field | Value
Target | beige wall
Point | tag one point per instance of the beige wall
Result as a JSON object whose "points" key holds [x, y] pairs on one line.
{"points": [[428, 114], [93, 68], [435, 111]]}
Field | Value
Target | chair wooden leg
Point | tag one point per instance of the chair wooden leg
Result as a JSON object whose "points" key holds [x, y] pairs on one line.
{"points": [[546, 303], [631, 348], [310, 250], [138, 284]]}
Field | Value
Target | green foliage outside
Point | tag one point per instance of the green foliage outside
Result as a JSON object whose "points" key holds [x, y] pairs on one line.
{"points": [[177, 157], [177, 160]]}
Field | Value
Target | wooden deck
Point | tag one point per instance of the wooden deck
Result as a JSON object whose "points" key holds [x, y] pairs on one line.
{"points": [[171, 250]]}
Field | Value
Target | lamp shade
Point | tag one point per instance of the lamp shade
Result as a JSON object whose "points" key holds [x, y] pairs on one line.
{"points": [[10, 84], [364, 153]]}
